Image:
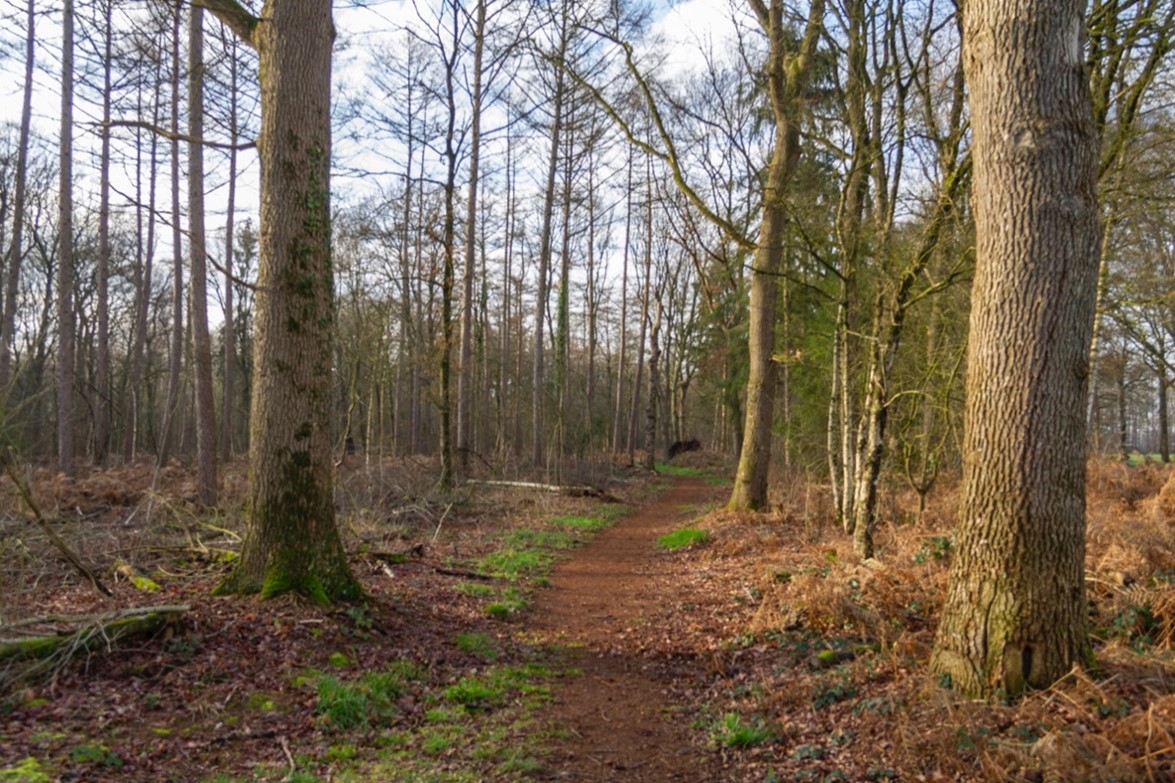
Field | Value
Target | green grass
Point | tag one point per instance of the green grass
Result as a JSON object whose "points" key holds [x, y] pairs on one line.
{"points": [[586, 524], [512, 601], [512, 563], [666, 469], [477, 643], [539, 539], [477, 692], [476, 589], [350, 705], [681, 539], [730, 730]]}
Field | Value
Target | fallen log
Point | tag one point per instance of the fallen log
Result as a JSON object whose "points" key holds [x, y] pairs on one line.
{"points": [[96, 630], [572, 490]]}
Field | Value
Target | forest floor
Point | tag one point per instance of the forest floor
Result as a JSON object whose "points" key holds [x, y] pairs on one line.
{"points": [[515, 635]]}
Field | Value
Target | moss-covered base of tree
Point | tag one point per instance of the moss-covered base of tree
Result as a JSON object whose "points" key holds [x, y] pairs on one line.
{"points": [[282, 577]]}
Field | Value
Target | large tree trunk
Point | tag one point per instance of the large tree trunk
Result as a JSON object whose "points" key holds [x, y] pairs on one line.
{"points": [[1015, 615], [65, 271], [198, 305], [292, 542]]}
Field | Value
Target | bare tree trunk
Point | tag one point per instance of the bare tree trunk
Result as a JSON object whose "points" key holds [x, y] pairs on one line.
{"points": [[65, 260], [143, 275], [15, 250], [464, 366], [230, 348], [645, 304], [654, 381], [563, 308], [787, 77], [1015, 613], [176, 356], [618, 408], [206, 487], [541, 293], [1164, 424], [104, 399]]}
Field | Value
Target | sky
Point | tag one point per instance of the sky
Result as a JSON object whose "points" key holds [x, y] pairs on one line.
{"points": [[688, 28]]}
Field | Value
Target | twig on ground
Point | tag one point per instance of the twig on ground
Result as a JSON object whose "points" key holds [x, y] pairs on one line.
{"points": [[437, 532]]}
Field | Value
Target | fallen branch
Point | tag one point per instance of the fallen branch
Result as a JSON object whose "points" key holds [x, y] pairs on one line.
{"points": [[27, 495], [573, 490], [33, 655], [103, 617]]}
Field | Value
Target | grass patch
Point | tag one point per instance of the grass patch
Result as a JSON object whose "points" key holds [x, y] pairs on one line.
{"points": [[475, 589], [733, 732], [350, 705], [525, 538], [512, 563], [666, 469], [512, 602], [479, 644], [681, 539], [586, 524]]}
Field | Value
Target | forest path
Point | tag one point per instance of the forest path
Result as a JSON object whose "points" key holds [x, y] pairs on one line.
{"points": [[616, 714]]}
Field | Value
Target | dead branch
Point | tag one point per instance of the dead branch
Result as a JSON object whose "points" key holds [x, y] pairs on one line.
{"points": [[571, 490], [31, 656], [26, 494]]}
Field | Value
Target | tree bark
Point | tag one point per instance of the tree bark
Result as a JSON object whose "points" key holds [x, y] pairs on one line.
{"points": [[15, 250], [229, 332], [465, 361], [143, 276], [65, 260], [102, 370], [206, 487], [541, 293], [787, 78], [176, 355], [291, 542], [1015, 614]]}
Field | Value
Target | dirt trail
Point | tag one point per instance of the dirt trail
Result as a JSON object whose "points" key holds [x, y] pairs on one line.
{"points": [[620, 724]]}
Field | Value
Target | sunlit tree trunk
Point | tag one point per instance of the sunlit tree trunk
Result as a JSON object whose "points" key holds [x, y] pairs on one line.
{"points": [[787, 76], [1015, 613]]}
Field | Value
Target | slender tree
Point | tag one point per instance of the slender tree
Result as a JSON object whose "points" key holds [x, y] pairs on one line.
{"points": [[198, 287], [16, 248], [65, 255]]}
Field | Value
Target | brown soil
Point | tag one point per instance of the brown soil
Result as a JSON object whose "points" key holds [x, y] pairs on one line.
{"points": [[622, 726]]}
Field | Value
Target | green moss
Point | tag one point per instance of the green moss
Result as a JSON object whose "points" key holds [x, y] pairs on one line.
{"points": [[27, 770]]}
